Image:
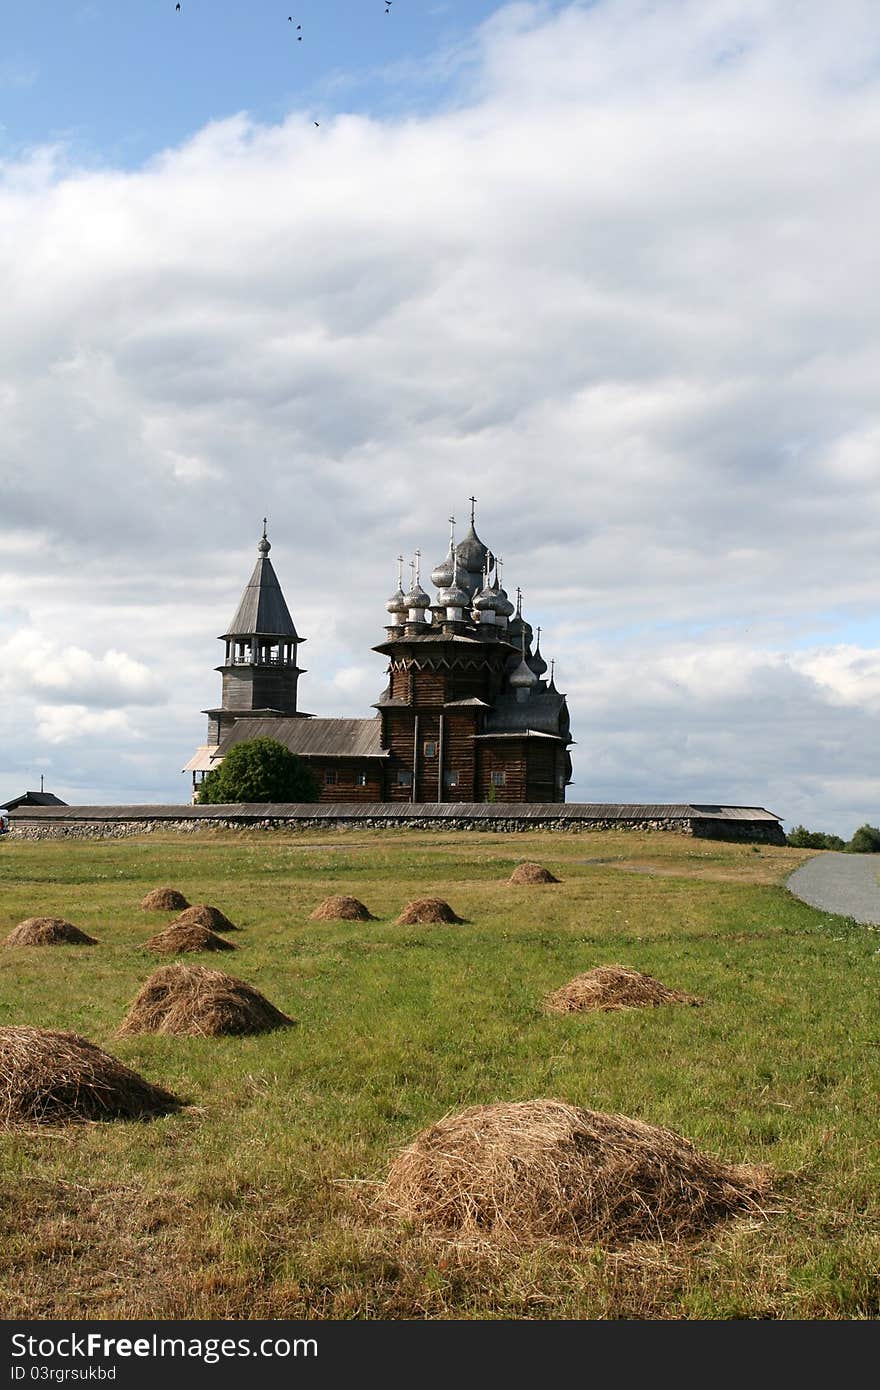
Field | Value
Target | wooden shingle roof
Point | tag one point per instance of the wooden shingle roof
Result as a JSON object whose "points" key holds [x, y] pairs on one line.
{"points": [[311, 738]]}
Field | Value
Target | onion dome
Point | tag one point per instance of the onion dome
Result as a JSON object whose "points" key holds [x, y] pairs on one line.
{"points": [[518, 630], [486, 600], [472, 554], [503, 606], [417, 598], [536, 662], [443, 575], [453, 597], [397, 602], [522, 678]]}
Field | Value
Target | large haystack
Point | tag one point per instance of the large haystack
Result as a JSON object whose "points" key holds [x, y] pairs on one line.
{"points": [[48, 931], [205, 916], [187, 936], [613, 987], [532, 873], [544, 1170], [427, 911], [50, 1077], [164, 900], [341, 908], [197, 1002]]}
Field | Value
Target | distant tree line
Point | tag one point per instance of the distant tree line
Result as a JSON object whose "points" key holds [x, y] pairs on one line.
{"points": [[866, 840]]}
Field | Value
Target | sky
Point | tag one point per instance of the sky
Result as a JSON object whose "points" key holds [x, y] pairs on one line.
{"points": [[611, 267]]}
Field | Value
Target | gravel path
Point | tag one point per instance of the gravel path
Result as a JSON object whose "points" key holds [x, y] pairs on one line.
{"points": [[842, 883]]}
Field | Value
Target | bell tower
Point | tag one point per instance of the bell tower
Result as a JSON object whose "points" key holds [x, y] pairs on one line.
{"points": [[260, 673]]}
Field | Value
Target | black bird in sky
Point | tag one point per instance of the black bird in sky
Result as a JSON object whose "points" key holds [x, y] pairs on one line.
{"points": [[177, 6]]}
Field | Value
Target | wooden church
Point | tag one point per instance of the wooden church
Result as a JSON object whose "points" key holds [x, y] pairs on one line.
{"points": [[467, 714]]}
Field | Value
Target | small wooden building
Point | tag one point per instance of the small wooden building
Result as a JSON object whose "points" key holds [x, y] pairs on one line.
{"points": [[467, 715]]}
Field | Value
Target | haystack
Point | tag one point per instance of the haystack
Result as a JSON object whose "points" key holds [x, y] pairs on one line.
{"points": [[426, 910], [187, 936], [544, 1170], [197, 1002], [341, 908], [50, 1077], [613, 987], [48, 931], [205, 916], [532, 873], [164, 900]]}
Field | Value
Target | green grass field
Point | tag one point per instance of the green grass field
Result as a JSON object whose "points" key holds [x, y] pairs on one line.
{"points": [[257, 1201]]}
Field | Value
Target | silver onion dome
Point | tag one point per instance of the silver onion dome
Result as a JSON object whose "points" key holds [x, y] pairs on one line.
{"points": [[518, 628], [443, 575], [453, 597], [472, 554], [536, 662], [397, 602], [417, 598], [522, 678], [503, 606], [486, 600]]}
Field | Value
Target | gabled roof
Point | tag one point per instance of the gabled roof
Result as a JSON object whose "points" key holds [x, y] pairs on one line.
{"points": [[32, 799], [263, 611], [310, 738]]}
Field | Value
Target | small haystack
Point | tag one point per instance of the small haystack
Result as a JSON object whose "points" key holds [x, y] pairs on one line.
{"points": [[187, 936], [544, 1170], [204, 916], [613, 987], [341, 908], [50, 1077], [48, 931], [427, 911], [532, 873], [197, 1002], [164, 900]]}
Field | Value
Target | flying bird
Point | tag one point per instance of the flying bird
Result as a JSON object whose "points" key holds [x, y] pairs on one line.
{"points": [[177, 6], [316, 122]]}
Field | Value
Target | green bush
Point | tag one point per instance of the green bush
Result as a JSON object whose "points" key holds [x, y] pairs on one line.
{"points": [[802, 838], [259, 769], [866, 840]]}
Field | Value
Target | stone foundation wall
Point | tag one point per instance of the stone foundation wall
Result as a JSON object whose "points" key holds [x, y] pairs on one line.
{"points": [[767, 832]]}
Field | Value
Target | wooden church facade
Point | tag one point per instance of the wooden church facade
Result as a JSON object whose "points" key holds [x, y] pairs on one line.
{"points": [[467, 715]]}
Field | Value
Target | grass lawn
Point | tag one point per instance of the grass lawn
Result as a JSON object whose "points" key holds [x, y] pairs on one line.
{"points": [[256, 1202]]}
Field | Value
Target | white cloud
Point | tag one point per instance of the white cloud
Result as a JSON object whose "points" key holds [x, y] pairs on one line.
{"points": [[66, 723], [623, 287], [32, 663]]}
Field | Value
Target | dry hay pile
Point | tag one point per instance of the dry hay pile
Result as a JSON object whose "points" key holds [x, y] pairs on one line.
{"points": [[613, 987], [197, 1002], [164, 900], [426, 910], [187, 936], [204, 916], [48, 931], [544, 1170], [51, 1077], [532, 873], [341, 908]]}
